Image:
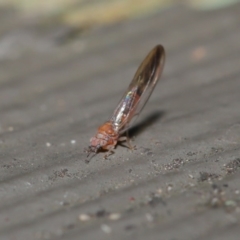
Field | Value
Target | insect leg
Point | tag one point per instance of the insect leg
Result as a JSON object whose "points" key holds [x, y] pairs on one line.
{"points": [[110, 151], [127, 139]]}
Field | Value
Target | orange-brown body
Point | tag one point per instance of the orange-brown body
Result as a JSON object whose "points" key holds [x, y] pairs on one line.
{"points": [[131, 104], [106, 138]]}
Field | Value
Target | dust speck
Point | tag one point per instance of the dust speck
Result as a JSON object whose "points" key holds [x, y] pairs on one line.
{"points": [[105, 228], [84, 217]]}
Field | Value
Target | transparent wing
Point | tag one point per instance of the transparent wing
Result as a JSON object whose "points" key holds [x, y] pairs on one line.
{"points": [[139, 90]]}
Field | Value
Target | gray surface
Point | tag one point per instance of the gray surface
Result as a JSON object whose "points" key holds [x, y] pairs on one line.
{"points": [[181, 183]]}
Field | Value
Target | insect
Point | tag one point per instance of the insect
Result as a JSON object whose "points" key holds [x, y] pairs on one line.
{"points": [[131, 104]]}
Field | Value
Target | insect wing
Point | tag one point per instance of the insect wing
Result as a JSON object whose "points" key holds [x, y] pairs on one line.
{"points": [[139, 90]]}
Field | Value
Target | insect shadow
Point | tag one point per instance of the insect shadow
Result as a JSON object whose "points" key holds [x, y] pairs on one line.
{"points": [[145, 123]]}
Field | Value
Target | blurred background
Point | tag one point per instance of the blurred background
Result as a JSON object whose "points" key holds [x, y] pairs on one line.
{"points": [[34, 25]]}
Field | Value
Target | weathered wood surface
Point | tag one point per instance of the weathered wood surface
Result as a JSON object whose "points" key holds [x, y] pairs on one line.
{"points": [[182, 181]]}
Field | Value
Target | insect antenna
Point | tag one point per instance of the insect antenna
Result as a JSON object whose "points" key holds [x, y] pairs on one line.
{"points": [[91, 150]]}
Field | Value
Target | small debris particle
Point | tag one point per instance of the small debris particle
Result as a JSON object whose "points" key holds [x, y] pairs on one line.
{"points": [[6, 166], [101, 213], [146, 151], [84, 217], [62, 173], [63, 203], [48, 144], [154, 199], [191, 176], [149, 217], [215, 202], [105, 228], [237, 192], [169, 187], [205, 176], [217, 197], [114, 216], [73, 141], [233, 166], [190, 154], [175, 164], [216, 150], [159, 191]]}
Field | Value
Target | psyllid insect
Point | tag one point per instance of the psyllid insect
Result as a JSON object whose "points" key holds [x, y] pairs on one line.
{"points": [[131, 104]]}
